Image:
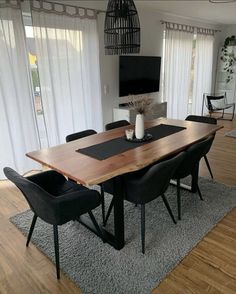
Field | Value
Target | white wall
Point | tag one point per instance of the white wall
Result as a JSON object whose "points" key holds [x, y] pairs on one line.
{"points": [[227, 31], [151, 45]]}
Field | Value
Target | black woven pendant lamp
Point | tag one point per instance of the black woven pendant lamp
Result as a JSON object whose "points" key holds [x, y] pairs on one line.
{"points": [[122, 28]]}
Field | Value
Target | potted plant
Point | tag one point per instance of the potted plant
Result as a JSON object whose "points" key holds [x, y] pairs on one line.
{"points": [[228, 57], [141, 104]]}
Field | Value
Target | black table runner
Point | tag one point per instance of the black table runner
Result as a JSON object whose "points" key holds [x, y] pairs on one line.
{"points": [[119, 145]]}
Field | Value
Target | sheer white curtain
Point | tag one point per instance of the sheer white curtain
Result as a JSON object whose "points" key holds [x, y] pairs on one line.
{"points": [[177, 72], [17, 121], [202, 70], [68, 61]]}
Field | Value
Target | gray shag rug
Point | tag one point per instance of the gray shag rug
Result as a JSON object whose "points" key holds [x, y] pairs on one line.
{"points": [[98, 268], [231, 134]]}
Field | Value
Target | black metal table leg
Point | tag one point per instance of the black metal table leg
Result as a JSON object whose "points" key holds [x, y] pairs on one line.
{"points": [[119, 212], [117, 240]]}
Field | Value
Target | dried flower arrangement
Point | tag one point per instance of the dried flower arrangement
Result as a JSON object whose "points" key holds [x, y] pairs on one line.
{"points": [[140, 103]]}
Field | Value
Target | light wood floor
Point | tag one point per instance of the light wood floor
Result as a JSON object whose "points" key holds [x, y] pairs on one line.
{"points": [[209, 268]]}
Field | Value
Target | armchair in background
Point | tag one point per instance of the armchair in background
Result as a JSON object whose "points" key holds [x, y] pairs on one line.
{"points": [[217, 102]]}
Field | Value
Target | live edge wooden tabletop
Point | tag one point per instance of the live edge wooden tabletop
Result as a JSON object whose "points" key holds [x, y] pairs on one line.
{"points": [[89, 171]]}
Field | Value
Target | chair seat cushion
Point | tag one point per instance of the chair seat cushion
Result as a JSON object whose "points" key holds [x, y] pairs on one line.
{"points": [[55, 183], [226, 106], [66, 187]]}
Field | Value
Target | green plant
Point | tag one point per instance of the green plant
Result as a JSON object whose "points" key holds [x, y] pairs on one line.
{"points": [[35, 77], [228, 57]]}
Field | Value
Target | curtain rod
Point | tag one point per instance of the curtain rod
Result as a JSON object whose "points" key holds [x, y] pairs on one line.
{"points": [[195, 27], [73, 6]]}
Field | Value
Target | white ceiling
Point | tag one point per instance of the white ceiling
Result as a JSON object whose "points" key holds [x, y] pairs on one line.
{"points": [[200, 10], [218, 13]]}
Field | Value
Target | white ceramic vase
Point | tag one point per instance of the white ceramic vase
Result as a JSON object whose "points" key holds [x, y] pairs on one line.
{"points": [[139, 126]]}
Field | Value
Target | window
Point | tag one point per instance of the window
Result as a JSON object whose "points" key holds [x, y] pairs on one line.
{"points": [[30, 42], [187, 70]]}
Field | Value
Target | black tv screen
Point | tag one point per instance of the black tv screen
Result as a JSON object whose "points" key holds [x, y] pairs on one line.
{"points": [[139, 75]]}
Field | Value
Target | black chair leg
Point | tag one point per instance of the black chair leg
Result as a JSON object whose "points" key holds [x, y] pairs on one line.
{"points": [[199, 193], [208, 166], [56, 246], [168, 208], [31, 229], [233, 113], [103, 205], [96, 225], [178, 199], [143, 227], [109, 211]]}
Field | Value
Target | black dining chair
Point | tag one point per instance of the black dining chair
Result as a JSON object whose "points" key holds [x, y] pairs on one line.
{"points": [[55, 200], [190, 166], [144, 186], [207, 120], [79, 135], [116, 124]]}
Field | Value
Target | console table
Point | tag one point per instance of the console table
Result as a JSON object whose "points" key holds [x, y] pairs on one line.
{"points": [[129, 114]]}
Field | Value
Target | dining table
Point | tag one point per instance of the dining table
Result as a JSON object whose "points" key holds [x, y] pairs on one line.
{"points": [[108, 156]]}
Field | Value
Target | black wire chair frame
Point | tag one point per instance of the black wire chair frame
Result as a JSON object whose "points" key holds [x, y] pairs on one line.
{"points": [[208, 102]]}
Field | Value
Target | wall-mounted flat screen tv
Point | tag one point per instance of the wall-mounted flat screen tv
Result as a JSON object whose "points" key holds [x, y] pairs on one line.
{"points": [[139, 75]]}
